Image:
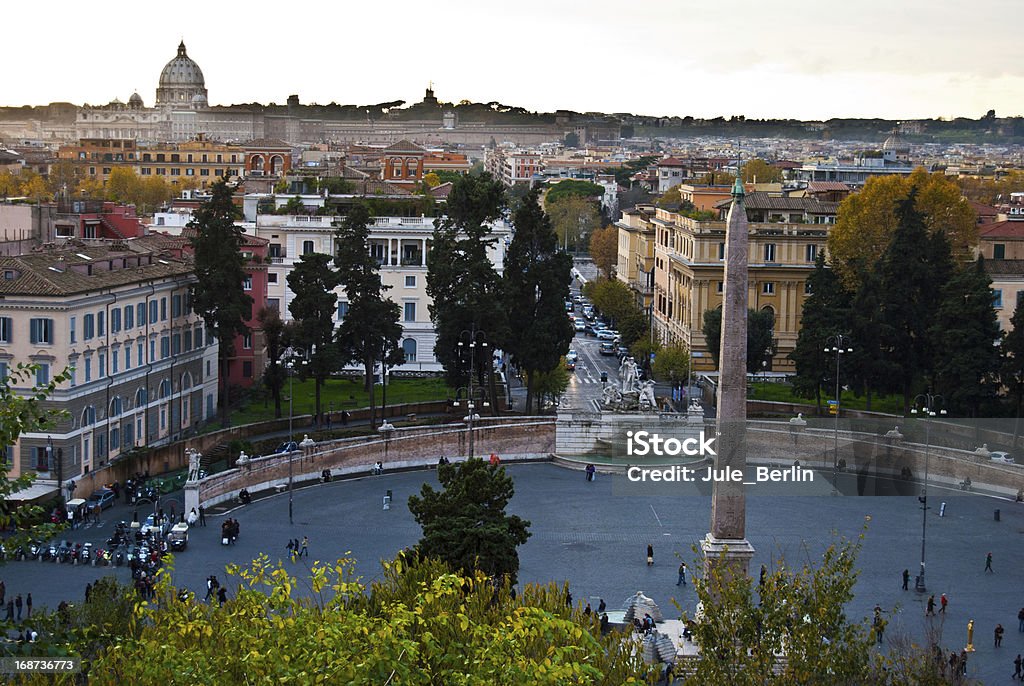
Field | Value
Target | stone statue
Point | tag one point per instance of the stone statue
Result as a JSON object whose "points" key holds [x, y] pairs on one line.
{"points": [[194, 457], [627, 375], [647, 399]]}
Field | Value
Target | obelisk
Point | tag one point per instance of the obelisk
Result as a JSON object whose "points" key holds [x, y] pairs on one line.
{"points": [[726, 545]]}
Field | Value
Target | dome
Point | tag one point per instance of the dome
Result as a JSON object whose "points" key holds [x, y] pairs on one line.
{"points": [[135, 100], [894, 142], [199, 99], [182, 71]]}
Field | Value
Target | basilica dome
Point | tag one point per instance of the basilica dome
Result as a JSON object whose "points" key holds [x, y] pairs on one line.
{"points": [[180, 81]]}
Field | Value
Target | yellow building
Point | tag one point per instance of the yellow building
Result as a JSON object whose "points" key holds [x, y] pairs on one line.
{"points": [[635, 264], [786, 235], [201, 160]]}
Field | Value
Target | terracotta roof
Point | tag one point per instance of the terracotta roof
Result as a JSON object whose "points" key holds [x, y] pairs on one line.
{"points": [[983, 210], [1005, 267], [267, 143], [826, 186], [377, 187], [442, 190], [1003, 229], [34, 276], [671, 162], [763, 201], [404, 146]]}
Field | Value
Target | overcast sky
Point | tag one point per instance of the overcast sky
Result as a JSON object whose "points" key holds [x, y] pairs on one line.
{"points": [[806, 60]]}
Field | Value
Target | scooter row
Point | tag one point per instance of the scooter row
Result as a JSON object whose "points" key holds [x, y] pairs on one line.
{"points": [[65, 552]]}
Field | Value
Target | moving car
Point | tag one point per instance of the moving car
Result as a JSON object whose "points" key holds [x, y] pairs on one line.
{"points": [[103, 497], [607, 335], [286, 447], [579, 325], [178, 537], [1001, 456], [570, 359], [607, 348]]}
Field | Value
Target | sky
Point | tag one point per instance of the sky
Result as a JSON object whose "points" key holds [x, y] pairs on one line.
{"points": [[895, 59]]}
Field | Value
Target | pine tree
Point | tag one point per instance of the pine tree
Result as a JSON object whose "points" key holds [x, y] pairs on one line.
{"points": [[371, 332], [312, 281], [273, 331], [965, 332], [218, 295], [1012, 368], [536, 285]]}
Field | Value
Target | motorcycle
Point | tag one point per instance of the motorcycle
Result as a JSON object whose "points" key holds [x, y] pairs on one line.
{"points": [[76, 554], [46, 554], [64, 552], [34, 548]]}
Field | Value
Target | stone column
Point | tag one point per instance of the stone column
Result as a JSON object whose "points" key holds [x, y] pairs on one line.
{"points": [[726, 543]]}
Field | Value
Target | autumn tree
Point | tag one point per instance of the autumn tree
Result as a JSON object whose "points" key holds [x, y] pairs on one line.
{"points": [[218, 295], [604, 249], [573, 217], [612, 298], [671, 364], [123, 185], [867, 221], [33, 186], [757, 170], [9, 185]]}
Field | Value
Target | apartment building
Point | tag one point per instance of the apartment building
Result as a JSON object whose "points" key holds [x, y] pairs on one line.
{"points": [[118, 315], [689, 270], [635, 267], [400, 246], [513, 166]]}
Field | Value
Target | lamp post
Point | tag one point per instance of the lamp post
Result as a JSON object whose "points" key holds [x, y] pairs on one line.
{"points": [[838, 344], [928, 403], [290, 359], [471, 405], [469, 341]]}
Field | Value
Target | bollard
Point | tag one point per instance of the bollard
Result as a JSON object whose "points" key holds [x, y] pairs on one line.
{"points": [[387, 500], [942, 510], [996, 514]]}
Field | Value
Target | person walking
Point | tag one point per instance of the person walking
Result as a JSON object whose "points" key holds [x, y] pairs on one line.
{"points": [[3, 595], [17, 605], [88, 590], [28, 605], [10, 611], [202, 516], [988, 563], [291, 549], [999, 635], [906, 579], [305, 546], [601, 606], [591, 469], [210, 587], [930, 612], [682, 574], [222, 595], [1016, 666], [1020, 616], [943, 602], [650, 554]]}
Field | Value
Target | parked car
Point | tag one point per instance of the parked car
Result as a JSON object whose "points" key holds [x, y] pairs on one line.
{"points": [[622, 351], [178, 537], [607, 348], [607, 335], [103, 497], [580, 325], [151, 525], [1001, 456], [286, 447], [589, 330]]}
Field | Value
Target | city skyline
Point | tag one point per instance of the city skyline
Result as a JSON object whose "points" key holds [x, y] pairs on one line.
{"points": [[909, 60]]}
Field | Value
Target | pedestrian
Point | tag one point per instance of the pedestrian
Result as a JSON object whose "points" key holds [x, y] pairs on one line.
{"points": [[601, 606], [963, 662], [906, 579], [3, 594], [10, 611], [209, 588], [28, 605], [202, 516], [999, 635], [495, 460], [193, 517], [591, 469], [1020, 615], [879, 626], [1016, 667], [954, 664], [682, 574], [760, 580], [291, 549], [222, 595], [650, 554], [943, 602], [568, 599], [988, 563], [88, 590], [305, 545], [587, 609], [17, 605], [930, 612]]}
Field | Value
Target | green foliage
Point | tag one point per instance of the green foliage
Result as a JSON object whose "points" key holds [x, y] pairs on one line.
{"points": [[760, 341], [759, 171], [568, 187], [465, 524], [274, 374], [571, 140], [573, 216], [535, 287], [604, 249], [551, 385], [622, 174], [335, 185], [218, 296], [634, 326], [670, 198], [613, 298], [447, 176], [799, 613], [1012, 368], [671, 364], [313, 306]]}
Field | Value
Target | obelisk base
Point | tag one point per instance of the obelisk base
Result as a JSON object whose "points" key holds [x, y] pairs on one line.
{"points": [[726, 557]]}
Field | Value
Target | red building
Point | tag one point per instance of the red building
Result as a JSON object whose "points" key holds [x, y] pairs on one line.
{"points": [[97, 219]]}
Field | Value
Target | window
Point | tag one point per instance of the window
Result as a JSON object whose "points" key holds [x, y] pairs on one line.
{"points": [[129, 317], [153, 312], [811, 253], [101, 323], [114, 362], [410, 282], [247, 283], [275, 250], [721, 287], [73, 376], [152, 350], [247, 369], [140, 353], [769, 252], [721, 251], [41, 331], [176, 344], [116, 406], [102, 360], [187, 340], [88, 369], [43, 375], [140, 313], [807, 288], [342, 311], [247, 342], [88, 327], [307, 247], [768, 288], [198, 337], [409, 349], [3, 371], [5, 329], [71, 330], [999, 251], [163, 309], [127, 357], [272, 277], [997, 298], [274, 303], [176, 305], [115, 320], [165, 347], [115, 438], [410, 312]]}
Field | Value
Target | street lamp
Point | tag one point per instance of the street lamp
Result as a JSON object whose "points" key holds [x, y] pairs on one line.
{"points": [[928, 404], [838, 344], [471, 405], [290, 359]]}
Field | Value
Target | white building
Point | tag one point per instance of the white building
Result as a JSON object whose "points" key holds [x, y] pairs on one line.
{"points": [[400, 245]]}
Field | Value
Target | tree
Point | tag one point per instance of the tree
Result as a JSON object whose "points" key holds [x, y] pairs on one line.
{"points": [[757, 170], [965, 332], [612, 298], [465, 525], [273, 331], [34, 187], [536, 285], [153, 192], [571, 140], [463, 284], [867, 221], [123, 185], [551, 385], [826, 312], [64, 177], [432, 180], [796, 612], [370, 333], [633, 326], [573, 187], [218, 295], [604, 249], [314, 303], [1012, 368], [760, 340], [573, 217], [671, 364], [24, 409], [670, 198], [9, 185]]}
